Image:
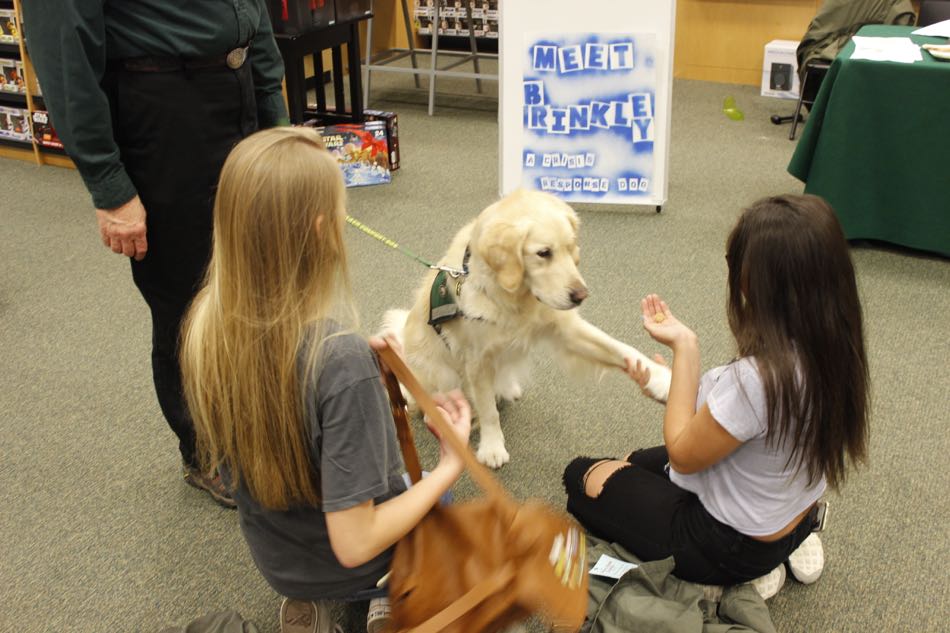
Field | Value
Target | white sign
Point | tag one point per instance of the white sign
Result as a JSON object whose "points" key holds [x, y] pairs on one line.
{"points": [[585, 107]]}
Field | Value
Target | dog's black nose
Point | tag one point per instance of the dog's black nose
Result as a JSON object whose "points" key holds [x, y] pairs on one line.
{"points": [[578, 295]]}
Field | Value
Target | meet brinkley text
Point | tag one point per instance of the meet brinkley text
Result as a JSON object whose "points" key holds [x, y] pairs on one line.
{"points": [[633, 111]]}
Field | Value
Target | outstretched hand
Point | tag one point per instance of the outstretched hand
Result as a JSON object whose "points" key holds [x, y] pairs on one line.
{"points": [[660, 323]]}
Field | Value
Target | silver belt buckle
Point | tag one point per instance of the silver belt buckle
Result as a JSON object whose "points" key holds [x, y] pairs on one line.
{"points": [[236, 58]]}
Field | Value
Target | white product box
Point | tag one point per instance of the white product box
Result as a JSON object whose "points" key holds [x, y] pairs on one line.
{"points": [[780, 70]]}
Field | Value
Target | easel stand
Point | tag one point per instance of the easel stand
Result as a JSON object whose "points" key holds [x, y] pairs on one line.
{"points": [[383, 60]]}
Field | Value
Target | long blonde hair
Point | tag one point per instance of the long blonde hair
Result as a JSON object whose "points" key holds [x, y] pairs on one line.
{"points": [[277, 276]]}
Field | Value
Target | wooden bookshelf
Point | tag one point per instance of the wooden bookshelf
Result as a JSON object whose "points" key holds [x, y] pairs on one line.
{"points": [[29, 101]]}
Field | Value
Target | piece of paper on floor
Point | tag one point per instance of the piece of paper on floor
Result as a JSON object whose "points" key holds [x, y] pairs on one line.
{"points": [[611, 567]]}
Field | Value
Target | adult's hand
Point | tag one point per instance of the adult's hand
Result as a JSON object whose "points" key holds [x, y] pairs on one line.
{"points": [[123, 229]]}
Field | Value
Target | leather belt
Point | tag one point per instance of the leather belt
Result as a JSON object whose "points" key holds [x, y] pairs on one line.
{"points": [[233, 59]]}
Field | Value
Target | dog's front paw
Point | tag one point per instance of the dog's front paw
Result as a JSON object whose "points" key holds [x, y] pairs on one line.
{"points": [[491, 452], [659, 383]]}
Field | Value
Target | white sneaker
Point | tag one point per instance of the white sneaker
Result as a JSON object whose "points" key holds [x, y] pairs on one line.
{"points": [[807, 562], [378, 616], [769, 584]]}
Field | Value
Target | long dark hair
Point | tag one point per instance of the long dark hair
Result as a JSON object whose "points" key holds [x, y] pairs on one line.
{"points": [[794, 307]]}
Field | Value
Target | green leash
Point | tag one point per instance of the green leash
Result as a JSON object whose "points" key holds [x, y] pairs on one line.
{"points": [[454, 272]]}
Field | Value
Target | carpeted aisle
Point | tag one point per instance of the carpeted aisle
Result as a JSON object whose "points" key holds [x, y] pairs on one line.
{"points": [[100, 533]]}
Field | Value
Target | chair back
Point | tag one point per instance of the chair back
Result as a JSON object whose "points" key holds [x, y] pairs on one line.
{"points": [[837, 20], [933, 11]]}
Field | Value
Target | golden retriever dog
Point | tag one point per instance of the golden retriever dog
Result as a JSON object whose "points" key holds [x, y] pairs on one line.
{"points": [[520, 291]]}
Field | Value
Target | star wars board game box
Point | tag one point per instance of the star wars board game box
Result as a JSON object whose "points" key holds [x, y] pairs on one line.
{"points": [[362, 151], [43, 132], [392, 133]]}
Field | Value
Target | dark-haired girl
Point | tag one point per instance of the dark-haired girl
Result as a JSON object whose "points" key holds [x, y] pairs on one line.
{"points": [[750, 447]]}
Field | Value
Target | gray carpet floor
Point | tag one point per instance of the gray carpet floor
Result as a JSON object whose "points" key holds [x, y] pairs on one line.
{"points": [[100, 533]]}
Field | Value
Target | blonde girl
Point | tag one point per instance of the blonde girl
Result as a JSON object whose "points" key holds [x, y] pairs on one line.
{"points": [[287, 401]]}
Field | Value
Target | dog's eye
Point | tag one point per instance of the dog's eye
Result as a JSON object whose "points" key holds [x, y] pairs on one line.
{"points": [[544, 253]]}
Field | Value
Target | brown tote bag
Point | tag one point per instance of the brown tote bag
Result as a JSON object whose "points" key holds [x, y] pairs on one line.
{"points": [[481, 565]]}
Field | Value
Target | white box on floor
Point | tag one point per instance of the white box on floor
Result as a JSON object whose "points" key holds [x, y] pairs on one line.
{"points": [[780, 70]]}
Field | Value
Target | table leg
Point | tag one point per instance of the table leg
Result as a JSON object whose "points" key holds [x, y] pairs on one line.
{"points": [[296, 88], [319, 88], [474, 46], [353, 59], [410, 38], [338, 92]]}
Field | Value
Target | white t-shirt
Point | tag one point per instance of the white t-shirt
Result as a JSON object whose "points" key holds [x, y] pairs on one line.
{"points": [[751, 489]]}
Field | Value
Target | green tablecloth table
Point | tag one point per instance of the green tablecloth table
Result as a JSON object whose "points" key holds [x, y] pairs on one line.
{"points": [[877, 146]]}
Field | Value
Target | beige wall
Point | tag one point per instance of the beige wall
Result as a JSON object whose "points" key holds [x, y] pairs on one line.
{"points": [[724, 40], [716, 40]]}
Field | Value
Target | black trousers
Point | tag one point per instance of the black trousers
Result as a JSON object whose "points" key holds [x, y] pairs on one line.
{"points": [[653, 518], [174, 131]]}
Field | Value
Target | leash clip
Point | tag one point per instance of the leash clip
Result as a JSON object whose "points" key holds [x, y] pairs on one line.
{"points": [[454, 273]]}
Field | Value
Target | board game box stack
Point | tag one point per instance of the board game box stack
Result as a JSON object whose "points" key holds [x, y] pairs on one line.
{"points": [[392, 133], [454, 17], [361, 149]]}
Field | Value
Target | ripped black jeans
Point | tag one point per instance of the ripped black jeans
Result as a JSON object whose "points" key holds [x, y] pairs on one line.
{"points": [[641, 509]]}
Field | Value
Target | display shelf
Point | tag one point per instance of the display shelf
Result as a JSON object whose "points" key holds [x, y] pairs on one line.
{"points": [[12, 99], [383, 61], [30, 101], [25, 144]]}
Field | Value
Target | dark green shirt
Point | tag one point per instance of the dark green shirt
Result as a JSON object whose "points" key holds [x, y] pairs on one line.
{"points": [[71, 41]]}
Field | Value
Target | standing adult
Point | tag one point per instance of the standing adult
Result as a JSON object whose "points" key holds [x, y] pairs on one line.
{"points": [[149, 97]]}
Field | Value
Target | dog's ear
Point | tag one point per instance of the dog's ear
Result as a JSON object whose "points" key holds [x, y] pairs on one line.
{"points": [[500, 245]]}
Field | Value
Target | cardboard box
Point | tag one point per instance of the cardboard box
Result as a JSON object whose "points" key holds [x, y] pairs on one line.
{"points": [[361, 150], [15, 124], [7, 73], [392, 133], [780, 70], [21, 77], [11, 76], [43, 132], [9, 31]]}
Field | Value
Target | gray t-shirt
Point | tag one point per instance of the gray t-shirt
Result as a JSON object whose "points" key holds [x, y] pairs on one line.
{"points": [[353, 441], [750, 490]]}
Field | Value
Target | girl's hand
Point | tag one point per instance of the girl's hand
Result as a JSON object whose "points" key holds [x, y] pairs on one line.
{"points": [[660, 323], [458, 413]]}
